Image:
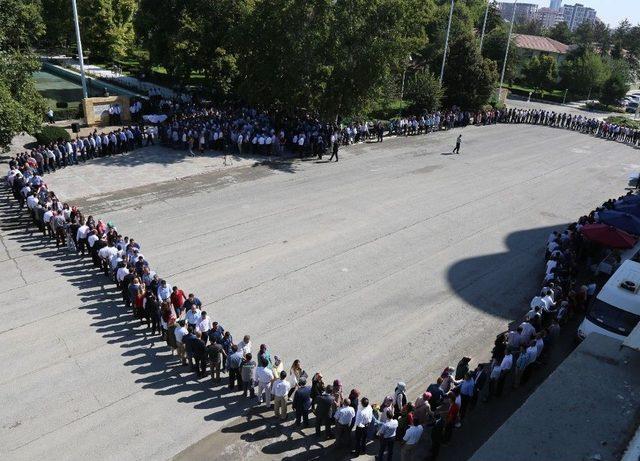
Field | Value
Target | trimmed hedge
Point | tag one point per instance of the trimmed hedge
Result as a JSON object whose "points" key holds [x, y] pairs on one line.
{"points": [[51, 133], [624, 121]]}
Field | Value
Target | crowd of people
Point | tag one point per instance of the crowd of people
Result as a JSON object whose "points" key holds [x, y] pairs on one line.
{"points": [[353, 419], [61, 154], [196, 128]]}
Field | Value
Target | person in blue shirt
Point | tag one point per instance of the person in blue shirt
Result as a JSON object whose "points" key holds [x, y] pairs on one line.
{"points": [[467, 389]]}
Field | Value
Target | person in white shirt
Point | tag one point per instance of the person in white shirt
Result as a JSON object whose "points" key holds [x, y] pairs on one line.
{"points": [[193, 316], [280, 390], [411, 439], [204, 325], [244, 346], [32, 201], [264, 376], [179, 334], [105, 254], [527, 332], [48, 215], [121, 272], [364, 417], [343, 416], [387, 434]]}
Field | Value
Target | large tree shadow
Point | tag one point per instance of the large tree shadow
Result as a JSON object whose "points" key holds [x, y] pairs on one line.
{"points": [[502, 284]]}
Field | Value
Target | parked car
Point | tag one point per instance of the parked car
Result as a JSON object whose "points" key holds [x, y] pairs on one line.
{"points": [[615, 311], [632, 107]]}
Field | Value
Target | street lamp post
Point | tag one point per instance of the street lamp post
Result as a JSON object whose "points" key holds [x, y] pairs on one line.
{"points": [[506, 53], [484, 24], [446, 43], [80, 57]]}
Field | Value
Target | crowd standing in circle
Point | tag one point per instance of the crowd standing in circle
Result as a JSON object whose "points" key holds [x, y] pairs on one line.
{"points": [[209, 350], [197, 128]]}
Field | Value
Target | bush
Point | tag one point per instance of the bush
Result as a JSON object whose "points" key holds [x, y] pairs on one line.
{"points": [[592, 105], [624, 121], [51, 133], [68, 114]]}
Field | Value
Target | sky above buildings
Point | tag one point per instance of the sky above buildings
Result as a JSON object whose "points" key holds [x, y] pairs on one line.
{"points": [[609, 11]]}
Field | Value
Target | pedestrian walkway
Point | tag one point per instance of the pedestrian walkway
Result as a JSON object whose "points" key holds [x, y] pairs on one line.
{"points": [[120, 79]]}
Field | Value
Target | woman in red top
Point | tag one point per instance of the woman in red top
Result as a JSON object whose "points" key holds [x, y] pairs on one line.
{"points": [[177, 299], [452, 416], [138, 302]]}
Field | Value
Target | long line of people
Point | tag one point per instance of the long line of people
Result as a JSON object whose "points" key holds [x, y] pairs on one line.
{"points": [[196, 128], [203, 344], [61, 154]]}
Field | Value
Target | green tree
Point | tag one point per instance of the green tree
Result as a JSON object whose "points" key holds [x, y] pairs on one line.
{"points": [[533, 27], [561, 33], [585, 37], [368, 47], [107, 27], [617, 85], [602, 37], [469, 79], [283, 53], [541, 72], [494, 47], [424, 91], [21, 107], [195, 36], [58, 20], [584, 74]]}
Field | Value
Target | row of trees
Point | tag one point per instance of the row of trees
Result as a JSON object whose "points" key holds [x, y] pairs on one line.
{"points": [[600, 65], [330, 56]]}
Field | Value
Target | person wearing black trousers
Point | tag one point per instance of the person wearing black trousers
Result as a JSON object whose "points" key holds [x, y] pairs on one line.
{"points": [[334, 152]]}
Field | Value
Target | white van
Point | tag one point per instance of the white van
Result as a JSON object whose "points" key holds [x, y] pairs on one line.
{"points": [[615, 311]]}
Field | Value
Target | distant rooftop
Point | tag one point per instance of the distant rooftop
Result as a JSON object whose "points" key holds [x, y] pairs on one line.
{"points": [[538, 43]]}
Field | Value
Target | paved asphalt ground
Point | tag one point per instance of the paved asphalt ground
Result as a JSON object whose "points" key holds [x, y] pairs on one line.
{"points": [[386, 266]]}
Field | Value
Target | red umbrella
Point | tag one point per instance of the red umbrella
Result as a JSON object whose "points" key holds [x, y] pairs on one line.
{"points": [[608, 236]]}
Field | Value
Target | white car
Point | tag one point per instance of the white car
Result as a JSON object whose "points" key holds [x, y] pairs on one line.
{"points": [[615, 311]]}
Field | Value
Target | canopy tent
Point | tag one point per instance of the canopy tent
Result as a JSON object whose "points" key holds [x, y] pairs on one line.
{"points": [[630, 198], [624, 221], [608, 236], [631, 208]]}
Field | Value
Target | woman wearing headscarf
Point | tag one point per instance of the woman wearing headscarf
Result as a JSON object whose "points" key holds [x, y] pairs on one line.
{"points": [[278, 366], [337, 395], [354, 398], [138, 302], [399, 397], [422, 409], [387, 404]]}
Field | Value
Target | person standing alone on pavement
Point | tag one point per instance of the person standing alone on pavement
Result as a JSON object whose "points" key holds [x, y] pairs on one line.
{"points": [[334, 151], [456, 150]]}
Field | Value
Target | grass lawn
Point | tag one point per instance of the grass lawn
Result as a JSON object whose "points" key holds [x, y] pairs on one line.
{"points": [[556, 92]]}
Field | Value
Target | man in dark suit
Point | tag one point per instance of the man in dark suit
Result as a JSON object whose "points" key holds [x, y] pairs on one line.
{"points": [[323, 412], [302, 402], [199, 355]]}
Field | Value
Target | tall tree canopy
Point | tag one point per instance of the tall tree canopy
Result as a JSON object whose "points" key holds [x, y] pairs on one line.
{"points": [[469, 79], [107, 27], [584, 73], [21, 107]]}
